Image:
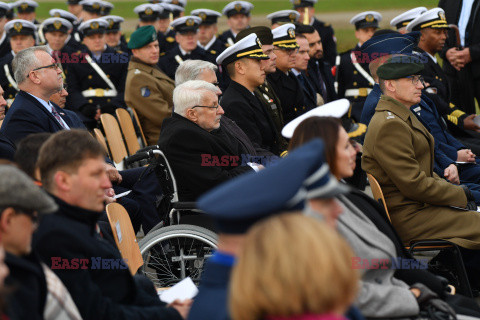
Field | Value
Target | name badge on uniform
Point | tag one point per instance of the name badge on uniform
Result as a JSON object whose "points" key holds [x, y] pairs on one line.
{"points": [[145, 92]]}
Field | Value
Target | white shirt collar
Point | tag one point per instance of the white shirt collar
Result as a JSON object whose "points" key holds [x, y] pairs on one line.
{"points": [[13, 53], [433, 58], [183, 51], [4, 36], [209, 44], [295, 72]]}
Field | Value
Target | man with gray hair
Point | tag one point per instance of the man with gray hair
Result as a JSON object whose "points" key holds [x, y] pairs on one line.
{"points": [[38, 76], [206, 71], [201, 154]]}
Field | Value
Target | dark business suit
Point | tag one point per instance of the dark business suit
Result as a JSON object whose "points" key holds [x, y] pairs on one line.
{"points": [[184, 143], [320, 75], [329, 43], [243, 107], [27, 116]]}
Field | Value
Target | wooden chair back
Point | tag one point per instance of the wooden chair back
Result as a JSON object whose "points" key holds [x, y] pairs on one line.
{"points": [[114, 139], [124, 236], [101, 139], [135, 116], [126, 124], [377, 193]]}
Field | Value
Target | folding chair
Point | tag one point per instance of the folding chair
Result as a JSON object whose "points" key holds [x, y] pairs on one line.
{"points": [[135, 116], [114, 140], [124, 236], [100, 138], [428, 244], [128, 130]]}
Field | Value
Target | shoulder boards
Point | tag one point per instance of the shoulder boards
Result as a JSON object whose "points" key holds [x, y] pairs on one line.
{"points": [[213, 52], [162, 54], [170, 39]]}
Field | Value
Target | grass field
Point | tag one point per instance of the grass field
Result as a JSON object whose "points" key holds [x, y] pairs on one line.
{"points": [[336, 12]]}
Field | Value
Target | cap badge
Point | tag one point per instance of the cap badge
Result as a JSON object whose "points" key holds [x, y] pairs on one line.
{"points": [[189, 22], [110, 23], [94, 25], [369, 18], [441, 15], [148, 11], [238, 7], [57, 15], [24, 6], [18, 26], [291, 33], [175, 2], [203, 16], [259, 42], [57, 24], [292, 17], [297, 2], [95, 6]]}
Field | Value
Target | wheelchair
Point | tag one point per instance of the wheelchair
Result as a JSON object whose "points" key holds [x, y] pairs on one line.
{"points": [[172, 250]]}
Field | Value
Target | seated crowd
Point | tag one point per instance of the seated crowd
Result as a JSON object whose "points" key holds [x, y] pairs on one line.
{"points": [[297, 236]]}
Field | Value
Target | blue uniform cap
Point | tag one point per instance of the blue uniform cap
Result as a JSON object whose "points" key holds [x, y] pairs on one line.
{"points": [[285, 185], [390, 43]]}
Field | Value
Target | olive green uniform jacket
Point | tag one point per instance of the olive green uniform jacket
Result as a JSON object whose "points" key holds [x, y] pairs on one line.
{"points": [[398, 152], [149, 91]]}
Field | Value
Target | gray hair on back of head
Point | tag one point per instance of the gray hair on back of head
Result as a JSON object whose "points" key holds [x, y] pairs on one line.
{"points": [[190, 94], [25, 61], [191, 70]]}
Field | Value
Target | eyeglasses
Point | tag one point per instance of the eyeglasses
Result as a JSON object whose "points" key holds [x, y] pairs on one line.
{"points": [[415, 80], [53, 66], [287, 51], [209, 107]]}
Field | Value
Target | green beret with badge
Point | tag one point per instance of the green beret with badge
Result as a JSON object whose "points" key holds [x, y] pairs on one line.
{"points": [[399, 67], [142, 36]]}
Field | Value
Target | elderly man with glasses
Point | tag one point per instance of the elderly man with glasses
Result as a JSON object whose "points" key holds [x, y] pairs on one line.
{"points": [[38, 76], [201, 154]]}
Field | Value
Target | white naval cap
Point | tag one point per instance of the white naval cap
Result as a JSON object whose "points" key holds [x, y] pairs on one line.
{"points": [[181, 3], [57, 24], [208, 16], [148, 11], [4, 7], [303, 3], [20, 27], [284, 36], [186, 24], [336, 109], [59, 13], [248, 47], [433, 18], [403, 19], [25, 5], [92, 26], [113, 23], [284, 16], [237, 7], [366, 19]]}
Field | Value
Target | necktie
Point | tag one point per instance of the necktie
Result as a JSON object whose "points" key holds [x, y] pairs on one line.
{"points": [[59, 119], [306, 86], [323, 89]]}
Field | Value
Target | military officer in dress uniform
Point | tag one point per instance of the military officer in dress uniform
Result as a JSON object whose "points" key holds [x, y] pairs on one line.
{"points": [[283, 16], [352, 76], [264, 92], [283, 81], [73, 41], [106, 8], [4, 43], [114, 37], [97, 81], [177, 13], [238, 14], [148, 14], [400, 22], [166, 34], [55, 32], [187, 48], [148, 90], [240, 203], [74, 7], [307, 12], [26, 10], [21, 34], [207, 39], [433, 26]]}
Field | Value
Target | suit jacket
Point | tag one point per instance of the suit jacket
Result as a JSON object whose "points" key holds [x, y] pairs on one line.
{"points": [[149, 91], [399, 152], [81, 76], [27, 116], [169, 64], [211, 303], [381, 294], [325, 85], [7, 148], [290, 93], [246, 110], [192, 151], [329, 42]]}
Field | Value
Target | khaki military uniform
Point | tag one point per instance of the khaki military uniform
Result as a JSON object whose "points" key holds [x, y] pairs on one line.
{"points": [[149, 91], [398, 152]]}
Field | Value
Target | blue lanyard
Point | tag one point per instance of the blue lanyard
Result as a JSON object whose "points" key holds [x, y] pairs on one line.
{"points": [[223, 258]]}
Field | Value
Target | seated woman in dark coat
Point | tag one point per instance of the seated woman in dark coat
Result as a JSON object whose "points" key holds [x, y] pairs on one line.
{"points": [[385, 292]]}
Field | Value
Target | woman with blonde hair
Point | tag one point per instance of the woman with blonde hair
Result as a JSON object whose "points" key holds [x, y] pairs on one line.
{"points": [[292, 267]]}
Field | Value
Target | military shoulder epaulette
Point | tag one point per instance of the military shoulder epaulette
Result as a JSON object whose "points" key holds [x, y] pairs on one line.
{"points": [[162, 54], [119, 51], [327, 25], [170, 39], [213, 52]]}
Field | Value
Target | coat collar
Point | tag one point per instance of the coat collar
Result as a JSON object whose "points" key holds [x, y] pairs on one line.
{"points": [[387, 103], [34, 101], [84, 216]]}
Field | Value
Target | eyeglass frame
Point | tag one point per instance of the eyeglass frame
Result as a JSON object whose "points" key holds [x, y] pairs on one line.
{"points": [[209, 107], [55, 65], [418, 78], [289, 52]]}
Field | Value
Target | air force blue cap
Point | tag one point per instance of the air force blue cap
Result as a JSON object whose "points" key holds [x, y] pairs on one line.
{"points": [[390, 43], [284, 186]]}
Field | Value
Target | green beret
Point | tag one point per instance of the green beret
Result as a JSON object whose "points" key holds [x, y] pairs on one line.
{"points": [[142, 36], [399, 67]]}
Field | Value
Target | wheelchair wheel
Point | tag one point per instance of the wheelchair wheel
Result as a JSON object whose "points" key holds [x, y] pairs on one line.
{"points": [[175, 252]]}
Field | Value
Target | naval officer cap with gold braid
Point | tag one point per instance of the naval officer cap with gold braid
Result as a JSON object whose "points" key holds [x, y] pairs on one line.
{"points": [[403, 19], [249, 47], [433, 18], [367, 19], [284, 37], [57, 24]]}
